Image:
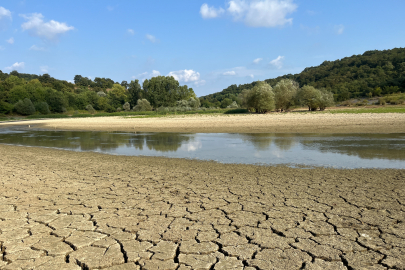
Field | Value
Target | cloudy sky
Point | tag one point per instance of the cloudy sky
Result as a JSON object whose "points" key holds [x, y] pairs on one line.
{"points": [[207, 45]]}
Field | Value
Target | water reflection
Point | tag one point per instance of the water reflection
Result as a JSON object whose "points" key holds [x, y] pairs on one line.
{"points": [[341, 150]]}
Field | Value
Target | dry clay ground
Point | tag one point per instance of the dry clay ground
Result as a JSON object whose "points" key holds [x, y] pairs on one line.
{"points": [[69, 210]]}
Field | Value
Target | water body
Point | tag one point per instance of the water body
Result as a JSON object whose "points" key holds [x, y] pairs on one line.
{"points": [[328, 150]]}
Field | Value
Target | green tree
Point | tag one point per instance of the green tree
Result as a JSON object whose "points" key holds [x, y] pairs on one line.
{"points": [[56, 101], [161, 91], [309, 96], [325, 99], [143, 105], [226, 102], [285, 93], [260, 98], [117, 95], [17, 93], [42, 107], [24, 107], [134, 92]]}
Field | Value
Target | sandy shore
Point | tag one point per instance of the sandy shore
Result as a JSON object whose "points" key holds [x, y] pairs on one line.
{"points": [[271, 123], [70, 210]]}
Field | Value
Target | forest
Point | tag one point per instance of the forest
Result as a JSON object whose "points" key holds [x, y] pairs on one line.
{"points": [[27, 94], [374, 73]]}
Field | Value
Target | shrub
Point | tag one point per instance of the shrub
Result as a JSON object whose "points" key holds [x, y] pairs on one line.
{"points": [[381, 101], [101, 94], [24, 107], [42, 107], [126, 107], [90, 109], [309, 96], [119, 109], [233, 105], [142, 105], [6, 107]]}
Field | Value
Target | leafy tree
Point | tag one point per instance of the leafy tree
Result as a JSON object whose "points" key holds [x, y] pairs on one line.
{"points": [[185, 93], [325, 99], [42, 107], [24, 107], [117, 95], [17, 93], [6, 107], [125, 84], [260, 97], [161, 91], [90, 109], [134, 92], [226, 102], [309, 96], [56, 101], [143, 105], [285, 93], [233, 105]]}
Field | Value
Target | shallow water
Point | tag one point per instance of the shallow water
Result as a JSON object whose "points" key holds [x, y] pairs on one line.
{"points": [[329, 150]]}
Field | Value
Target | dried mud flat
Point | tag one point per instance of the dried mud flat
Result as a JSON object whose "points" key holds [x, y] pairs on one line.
{"points": [[246, 123], [69, 210]]}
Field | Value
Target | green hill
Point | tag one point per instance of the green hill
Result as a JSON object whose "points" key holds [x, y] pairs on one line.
{"points": [[375, 72]]}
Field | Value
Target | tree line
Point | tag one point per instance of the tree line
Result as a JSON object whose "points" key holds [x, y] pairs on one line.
{"points": [[374, 73], [27, 94]]}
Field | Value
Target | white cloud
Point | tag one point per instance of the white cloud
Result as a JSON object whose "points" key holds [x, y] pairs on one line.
{"points": [[10, 40], [278, 62], [229, 73], [255, 13], [151, 38], [339, 29], [199, 83], [251, 76], [192, 146], [264, 13], [36, 48], [146, 75], [16, 66], [131, 31], [44, 69], [5, 18], [208, 12], [187, 75], [49, 30], [257, 60]]}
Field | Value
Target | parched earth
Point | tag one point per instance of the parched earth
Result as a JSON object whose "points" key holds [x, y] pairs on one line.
{"points": [[69, 210]]}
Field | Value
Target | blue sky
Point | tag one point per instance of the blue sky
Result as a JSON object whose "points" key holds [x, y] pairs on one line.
{"points": [[207, 45]]}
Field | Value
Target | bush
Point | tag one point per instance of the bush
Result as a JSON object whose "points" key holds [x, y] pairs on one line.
{"points": [[142, 105], [260, 98], [326, 99], [6, 107], [101, 94], [42, 107], [119, 109], [126, 107], [381, 101], [24, 107], [233, 105], [90, 109], [285, 93]]}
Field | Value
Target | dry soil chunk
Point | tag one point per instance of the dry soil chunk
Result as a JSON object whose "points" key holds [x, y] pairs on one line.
{"points": [[229, 263], [197, 261], [324, 265], [193, 247], [158, 265], [243, 252], [232, 239], [275, 259], [136, 250], [95, 257], [164, 251]]}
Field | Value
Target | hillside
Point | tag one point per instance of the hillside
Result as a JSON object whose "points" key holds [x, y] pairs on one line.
{"points": [[350, 77]]}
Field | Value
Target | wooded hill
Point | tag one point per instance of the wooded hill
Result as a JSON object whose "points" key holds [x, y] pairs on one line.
{"points": [[373, 73]]}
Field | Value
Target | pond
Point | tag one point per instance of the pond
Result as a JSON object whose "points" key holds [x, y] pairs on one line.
{"points": [[328, 150]]}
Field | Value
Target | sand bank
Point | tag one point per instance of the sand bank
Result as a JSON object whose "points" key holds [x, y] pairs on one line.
{"points": [[253, 123]]}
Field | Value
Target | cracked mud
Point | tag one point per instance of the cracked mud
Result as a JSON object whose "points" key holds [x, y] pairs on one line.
{"points": [[68, 210]]}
